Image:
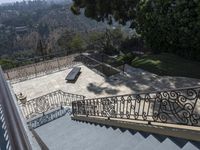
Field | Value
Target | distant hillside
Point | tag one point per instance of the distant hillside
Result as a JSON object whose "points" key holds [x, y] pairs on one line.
{"points": [[23, 24]]}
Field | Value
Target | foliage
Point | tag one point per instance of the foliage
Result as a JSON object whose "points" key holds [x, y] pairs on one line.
{"points": [[132, 44], [43, 30], [40, 19], [71, 42], [40, 50], [171, 26], [106, 10], [127, 58], [165, 25], [76, 43], [6, 63], [109, 41]]}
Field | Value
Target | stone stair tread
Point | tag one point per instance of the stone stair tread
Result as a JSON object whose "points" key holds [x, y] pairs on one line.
{"points": [[190, 146], [167, 144], [149, 143]]}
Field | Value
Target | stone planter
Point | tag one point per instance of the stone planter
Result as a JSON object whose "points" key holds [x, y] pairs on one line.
{"points": [[22, 98]]}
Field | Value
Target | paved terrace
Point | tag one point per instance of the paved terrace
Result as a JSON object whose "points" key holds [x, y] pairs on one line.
{"points": [[91, 84]]}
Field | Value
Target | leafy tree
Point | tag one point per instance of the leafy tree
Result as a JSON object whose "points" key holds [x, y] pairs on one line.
{"points": [[165, 25], [109, 42], [43, 30], [171, 26], [134, 43], [106, 10], [76, 43], [40, 50]]}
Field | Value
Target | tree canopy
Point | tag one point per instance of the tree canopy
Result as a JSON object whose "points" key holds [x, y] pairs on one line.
{"points": [[165, 25]]}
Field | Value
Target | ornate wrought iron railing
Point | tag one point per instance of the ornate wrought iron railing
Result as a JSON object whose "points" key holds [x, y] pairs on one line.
{"points": [[42, 104], [180, 106], [42, 68]]}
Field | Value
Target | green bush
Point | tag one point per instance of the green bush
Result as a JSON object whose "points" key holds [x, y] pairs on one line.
{"points": [[127, 58], [7, 64]]}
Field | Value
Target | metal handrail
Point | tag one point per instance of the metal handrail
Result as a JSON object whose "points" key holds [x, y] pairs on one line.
{"points": [[177, 106], [42, 104], [139, 93], [16, 132]]}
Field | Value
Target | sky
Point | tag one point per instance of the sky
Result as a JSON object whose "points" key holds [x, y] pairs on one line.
{"points": [[11, 1], [8, 1]]}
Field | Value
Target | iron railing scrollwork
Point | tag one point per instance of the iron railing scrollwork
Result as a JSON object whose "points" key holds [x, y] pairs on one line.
{"points": [[180, 106], [42, 104]]}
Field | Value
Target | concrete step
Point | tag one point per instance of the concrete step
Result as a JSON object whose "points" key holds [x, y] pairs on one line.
{"points": [[191, 146], [64, 133], [149, 143], [167, 144]]}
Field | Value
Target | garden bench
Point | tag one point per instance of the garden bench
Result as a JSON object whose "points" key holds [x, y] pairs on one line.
{"points": [[73, 74]]}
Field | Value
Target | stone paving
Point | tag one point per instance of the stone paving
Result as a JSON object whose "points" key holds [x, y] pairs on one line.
{"points": [[91, 84]]}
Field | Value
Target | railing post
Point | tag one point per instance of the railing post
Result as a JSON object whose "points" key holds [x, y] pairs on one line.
{"points": [[73, 110], [58, 63], [35, 70], [8, 75]]}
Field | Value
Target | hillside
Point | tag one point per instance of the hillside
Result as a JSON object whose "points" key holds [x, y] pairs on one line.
{"points": [[23, 24]]}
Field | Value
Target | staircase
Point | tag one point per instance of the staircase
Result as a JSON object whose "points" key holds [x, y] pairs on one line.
{"points": [[64, 133], [50, 116]]}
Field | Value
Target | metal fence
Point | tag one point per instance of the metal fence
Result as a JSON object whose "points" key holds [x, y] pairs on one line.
{"points": [[180, 106], [42, 68], [45, 103]]}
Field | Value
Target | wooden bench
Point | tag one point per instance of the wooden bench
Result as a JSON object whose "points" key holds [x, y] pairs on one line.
{"points": [[73, 74]]}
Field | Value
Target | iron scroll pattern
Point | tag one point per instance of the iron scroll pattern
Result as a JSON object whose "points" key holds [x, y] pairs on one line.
{"points": [[180, 106], [38, 106]]}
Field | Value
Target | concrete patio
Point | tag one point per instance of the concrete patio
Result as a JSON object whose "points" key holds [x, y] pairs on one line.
{"points": [[91, 84]]}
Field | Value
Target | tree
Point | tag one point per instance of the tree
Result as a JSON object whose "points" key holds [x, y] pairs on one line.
{"points": [[109, 42], [171, 26], [40, 50], [107, 10], [43, 30], [76, 43], [165, 25]]}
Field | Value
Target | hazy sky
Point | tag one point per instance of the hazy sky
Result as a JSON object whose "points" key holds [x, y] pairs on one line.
{"points": [[8, 1]]}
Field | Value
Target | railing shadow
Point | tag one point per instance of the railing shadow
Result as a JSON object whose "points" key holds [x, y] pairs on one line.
{"points": [[48, 117], [180, 142]]}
